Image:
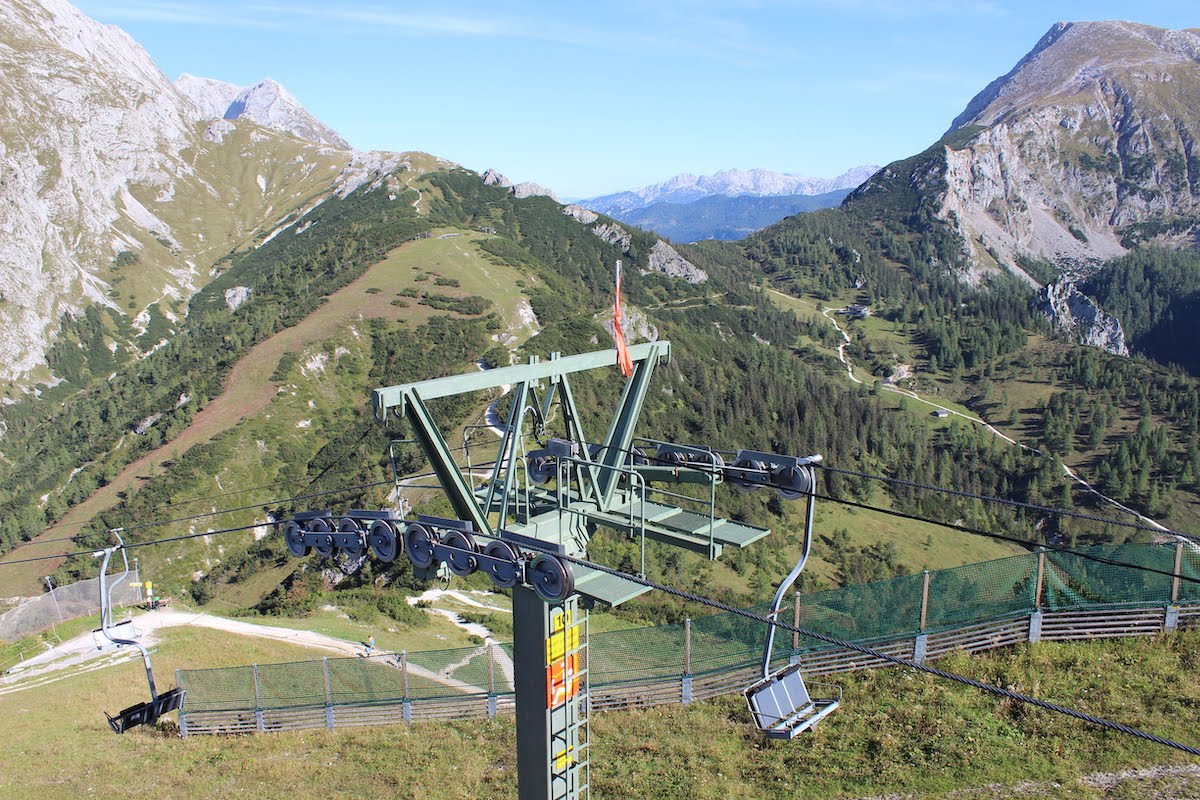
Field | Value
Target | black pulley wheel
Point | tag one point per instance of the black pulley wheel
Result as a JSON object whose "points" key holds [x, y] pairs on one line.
{"points": [[418, 544], [551, 577], [541, 469], [383, 541], [323, 543], [461, 561], [791, 482], [352, 548], [505, 572], [748, 474], [293, 537]]}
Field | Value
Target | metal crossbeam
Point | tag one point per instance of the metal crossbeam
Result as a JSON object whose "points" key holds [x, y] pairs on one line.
{"points": [[394, 397]]}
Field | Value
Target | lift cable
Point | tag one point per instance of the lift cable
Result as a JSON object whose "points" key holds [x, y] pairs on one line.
{"points": [[1063, 512], [868, 651], [1001, 537], [134, 545], [989, 534], [218, 512], [1007, 502], [191, 501]]}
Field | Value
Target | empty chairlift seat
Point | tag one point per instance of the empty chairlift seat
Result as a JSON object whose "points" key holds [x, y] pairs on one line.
{"points": [[779, 701], [782, 707]]}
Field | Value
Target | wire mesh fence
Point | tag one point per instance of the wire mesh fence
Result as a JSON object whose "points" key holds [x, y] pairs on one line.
{"points": [[950, 607], [66, 602]]}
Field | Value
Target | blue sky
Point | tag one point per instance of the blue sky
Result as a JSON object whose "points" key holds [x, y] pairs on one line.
{"points": [[594, 98]]}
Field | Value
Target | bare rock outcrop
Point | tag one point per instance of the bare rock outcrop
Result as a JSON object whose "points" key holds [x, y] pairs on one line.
{"points": [[614, 234], [666, 259], [1074, 312]]}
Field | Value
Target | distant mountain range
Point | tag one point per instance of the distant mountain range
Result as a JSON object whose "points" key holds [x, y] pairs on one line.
{"points": [[687, 188], [727, 205], [721, 217]]}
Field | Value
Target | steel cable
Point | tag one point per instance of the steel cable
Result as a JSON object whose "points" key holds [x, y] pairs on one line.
{"points": [[868, 651]]}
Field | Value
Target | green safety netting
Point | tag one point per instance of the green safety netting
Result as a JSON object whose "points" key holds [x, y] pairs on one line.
{"points": [[979, 592], [1189, 590], [1076, 582], [866, 613]]}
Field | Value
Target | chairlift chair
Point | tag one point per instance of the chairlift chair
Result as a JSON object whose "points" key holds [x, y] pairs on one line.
{"points": [[780, 701], [142, 713]]}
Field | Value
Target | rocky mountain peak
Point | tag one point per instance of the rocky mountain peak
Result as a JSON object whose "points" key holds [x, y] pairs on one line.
{"points": [[266, 103], [1074, 58], [1087, 147], [212, 97]]}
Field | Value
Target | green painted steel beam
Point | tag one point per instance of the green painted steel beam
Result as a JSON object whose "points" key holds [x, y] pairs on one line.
{"points": [[385, 399], [620, 433], [454, 484]]}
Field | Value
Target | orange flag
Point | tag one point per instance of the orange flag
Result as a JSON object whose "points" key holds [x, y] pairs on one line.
{"points": [[623, 359]]}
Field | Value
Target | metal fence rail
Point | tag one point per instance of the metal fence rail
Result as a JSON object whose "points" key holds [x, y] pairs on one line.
{"points": [[1028, 598]]}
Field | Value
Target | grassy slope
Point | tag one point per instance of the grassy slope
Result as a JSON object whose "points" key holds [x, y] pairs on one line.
{"points": [[251, 396], [896, 732]]}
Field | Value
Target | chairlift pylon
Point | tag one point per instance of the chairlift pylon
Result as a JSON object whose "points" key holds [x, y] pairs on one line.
{"points": [[142, 713], [779, 701]]}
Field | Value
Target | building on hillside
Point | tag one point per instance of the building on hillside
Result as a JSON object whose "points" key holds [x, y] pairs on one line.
{"points": [[856, 311]]}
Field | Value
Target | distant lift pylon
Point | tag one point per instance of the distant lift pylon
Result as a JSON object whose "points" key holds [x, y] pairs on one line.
{"points": [[780, 701]]}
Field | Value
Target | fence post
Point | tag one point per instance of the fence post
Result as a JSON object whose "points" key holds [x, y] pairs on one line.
{"points": [[406, 703], [258, 711], [922, 641], [182, 713], [1178, 572], [328, 694], [1171, 617], [491, 700], [1041, 579], [686, 682], [1035, 617]]}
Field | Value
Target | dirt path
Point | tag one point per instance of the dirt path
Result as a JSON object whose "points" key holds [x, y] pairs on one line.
{"points": [[1069, 473], [80, 654]]}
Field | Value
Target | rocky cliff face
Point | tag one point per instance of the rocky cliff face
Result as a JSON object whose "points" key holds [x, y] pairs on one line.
{"points": [[1078, 315], [115, 189], [1086, 147]]}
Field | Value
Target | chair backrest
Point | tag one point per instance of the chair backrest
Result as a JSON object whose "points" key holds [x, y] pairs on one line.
{"points": [[779, 697]]}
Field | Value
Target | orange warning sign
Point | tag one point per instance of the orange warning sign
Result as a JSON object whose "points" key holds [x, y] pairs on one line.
{"points": [[562, 681]]}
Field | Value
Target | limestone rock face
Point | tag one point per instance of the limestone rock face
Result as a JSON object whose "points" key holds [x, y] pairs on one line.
{"points": [[580, 214], [666, 259], [1075, 313], [529, 189], [614, 234], [120, 189], [493, 178], [1087, 146]]}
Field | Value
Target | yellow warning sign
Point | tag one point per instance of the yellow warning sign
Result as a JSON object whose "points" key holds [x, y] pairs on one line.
{"points": [[562, 758], [563, 638]]}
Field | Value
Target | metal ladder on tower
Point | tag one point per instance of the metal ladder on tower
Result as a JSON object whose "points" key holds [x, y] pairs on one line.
{"points": [[568, 699]]}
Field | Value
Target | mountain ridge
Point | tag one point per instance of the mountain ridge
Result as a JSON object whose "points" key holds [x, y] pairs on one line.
{"points": [[686, 187], [1085, 149]]}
